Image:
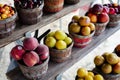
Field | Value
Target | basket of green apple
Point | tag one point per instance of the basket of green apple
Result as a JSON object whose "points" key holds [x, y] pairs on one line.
{"points": [[32, 58], [81, 30], [29, 11], [108, 65], [60, 45], [99, 17]]}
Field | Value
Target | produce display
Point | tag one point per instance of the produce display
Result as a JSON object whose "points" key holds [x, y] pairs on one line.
{"points": [[6, 11], [83, 74], [31, 53], [28, 4]]}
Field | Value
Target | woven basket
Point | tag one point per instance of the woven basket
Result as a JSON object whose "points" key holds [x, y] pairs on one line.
{"points": [[71, 1], [114, 20], [36, 72], [53, 5], [8, 25]]}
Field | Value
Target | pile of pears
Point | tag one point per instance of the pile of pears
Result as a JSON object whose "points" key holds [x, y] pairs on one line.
{"points": [[108, 63]]}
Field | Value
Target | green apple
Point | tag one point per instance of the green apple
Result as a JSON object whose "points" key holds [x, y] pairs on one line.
{"points": [[60, 35], [68, 40], [50, 41], [60, 44], [51, 34]]}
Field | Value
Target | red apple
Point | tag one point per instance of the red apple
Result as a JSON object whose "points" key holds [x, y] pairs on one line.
{"points": [[30, 43], [116, 68], [97, 8], [112, 11], [103, 17], [105, 9], [17, 52], [31, 58]]}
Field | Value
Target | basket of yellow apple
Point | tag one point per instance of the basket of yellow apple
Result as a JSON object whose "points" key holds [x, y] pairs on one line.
{"points": [[60, 45], [81, 30], [8, 17], [84, 74], [108, 65]]}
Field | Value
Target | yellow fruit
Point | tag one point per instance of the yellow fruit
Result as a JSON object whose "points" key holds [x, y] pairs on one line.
{"points": [[91, 74], [1, 5], [7, 8], [99, 60], [106, 68], [88, 77], [98, 77], [51, 34], [68, 40], [60, 44], [4, 16], [76, 18], [74, 27], [85, 31], [92, 26], [82, 72], [50, 41], [84, 21], [60, 35]]}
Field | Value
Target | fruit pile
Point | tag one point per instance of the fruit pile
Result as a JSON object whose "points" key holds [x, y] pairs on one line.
{"points": [[31, 53], [6, 11], [28, 4], [81, 25], [98, 14], [83, 74], [108, 63], [58, 40]]}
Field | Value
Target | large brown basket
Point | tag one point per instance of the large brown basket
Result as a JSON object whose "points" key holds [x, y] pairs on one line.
{"points": [[30, 16], [8, 25], [71, 1], [36, 72]]}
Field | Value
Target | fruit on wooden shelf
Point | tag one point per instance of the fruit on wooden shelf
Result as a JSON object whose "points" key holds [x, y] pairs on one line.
{"points": [[97, 8], [60, 35], [30, 43], [6, 11], [31, 58], [60, 44], [103, 17], [68, 40], [50, 41], [17, 52], [84, 21]]}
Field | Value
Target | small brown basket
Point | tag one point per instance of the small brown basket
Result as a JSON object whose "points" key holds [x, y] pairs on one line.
{"points": [[8, 25], [53, 5], [71, 1], [114, 20], [36, 72]]}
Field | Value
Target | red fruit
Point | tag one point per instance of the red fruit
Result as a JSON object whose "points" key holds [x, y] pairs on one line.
{"points": [[97, 8], [103, 17], [112, 11], [116, 68], [105, 9], [31, 58], [30, 43], [17, 52], [44, 56]]}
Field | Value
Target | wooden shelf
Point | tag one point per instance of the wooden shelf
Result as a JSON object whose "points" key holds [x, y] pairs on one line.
{"points": [[77, 54], [46, 19]]}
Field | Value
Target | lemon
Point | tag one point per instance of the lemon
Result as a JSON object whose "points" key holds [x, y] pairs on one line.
{"points": [[88, 77], [60, 35], [60, 44], [82, 72], [98, 77]]}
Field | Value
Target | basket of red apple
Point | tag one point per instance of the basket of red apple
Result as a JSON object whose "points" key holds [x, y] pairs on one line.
{"points": [[60, 45], [99, 17], [84, 74], [29, 11], [81, 30], [108, 65], [32, 58], [71, 1], [8, 17], [113, 11]]}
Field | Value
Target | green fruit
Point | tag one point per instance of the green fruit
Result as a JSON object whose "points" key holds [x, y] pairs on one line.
{"points": [[106, 68], [60, 35], [51, 34], [50, 42], [68, 40], [61, 45]]}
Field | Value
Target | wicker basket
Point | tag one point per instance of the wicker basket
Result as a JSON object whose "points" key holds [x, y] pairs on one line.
{"points": [[30, 16], [71, 1], [114, 20], [8, 25], [36, 72], [53, 5]]}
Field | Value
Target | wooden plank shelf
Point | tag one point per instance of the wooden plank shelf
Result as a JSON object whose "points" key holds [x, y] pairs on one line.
{"points": [[46, 19], [77, 54]]}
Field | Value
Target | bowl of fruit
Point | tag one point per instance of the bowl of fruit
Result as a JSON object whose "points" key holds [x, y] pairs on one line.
{"points": [[32, 58], [99, 17], [60, 45], [84, 74], [8, 17], [29, 11], [81, 30], [108, 65]]}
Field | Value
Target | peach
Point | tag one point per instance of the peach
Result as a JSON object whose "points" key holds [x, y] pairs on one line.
{"points": [[30, 43], [93, 17], [116, 68], [103, 17], [31, 58], [17, 52]]}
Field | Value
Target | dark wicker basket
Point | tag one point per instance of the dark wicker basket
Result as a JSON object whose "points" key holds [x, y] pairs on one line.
{"points": [[71, 1]]}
